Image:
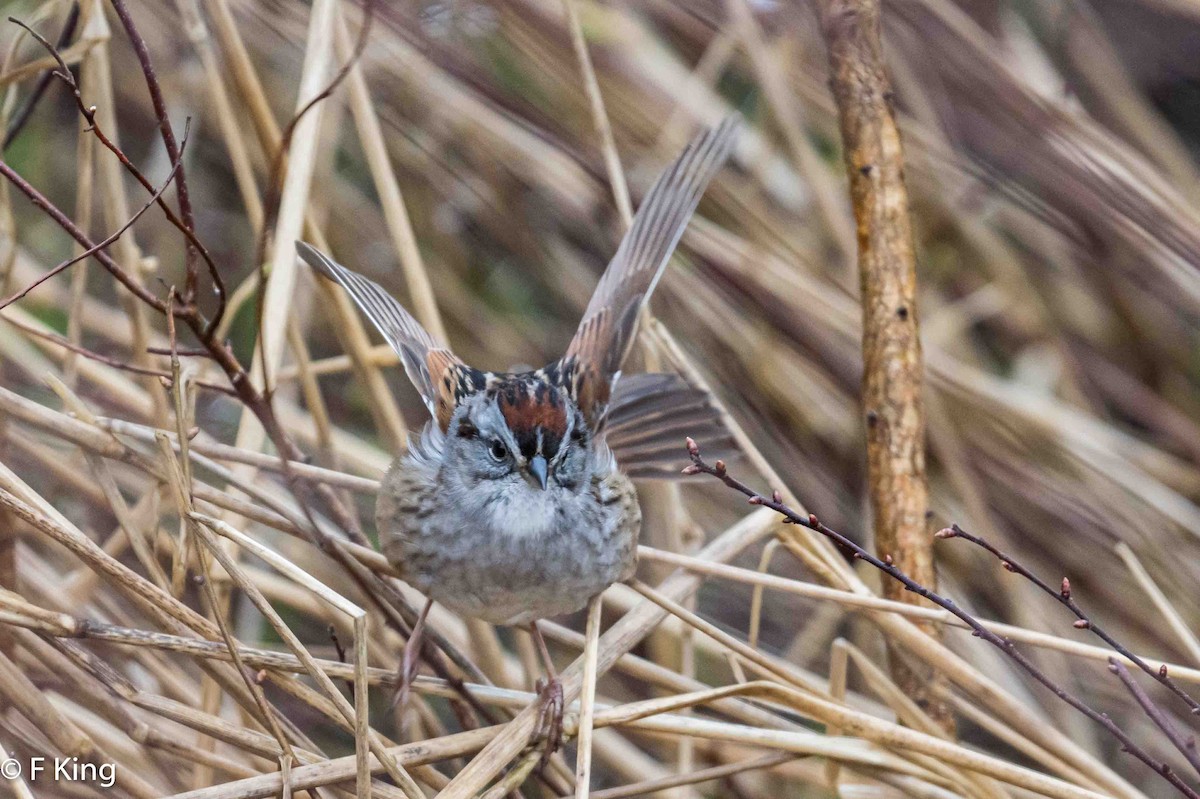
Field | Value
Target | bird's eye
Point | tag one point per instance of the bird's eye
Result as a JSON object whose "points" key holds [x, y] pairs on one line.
{"points": [[497, 450]]}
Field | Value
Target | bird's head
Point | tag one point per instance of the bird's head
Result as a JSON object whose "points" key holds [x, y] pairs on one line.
{"points": [[521, 429]]}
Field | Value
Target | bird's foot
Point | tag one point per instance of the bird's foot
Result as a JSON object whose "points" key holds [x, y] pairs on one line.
{"points": [[406, 672], [550, 717]]}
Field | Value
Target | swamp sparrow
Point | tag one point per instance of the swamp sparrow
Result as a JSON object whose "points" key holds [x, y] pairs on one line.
{"points": [[515, 502]]}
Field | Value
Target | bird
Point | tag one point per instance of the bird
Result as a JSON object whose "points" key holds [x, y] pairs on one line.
{"points": [[515, 503]]}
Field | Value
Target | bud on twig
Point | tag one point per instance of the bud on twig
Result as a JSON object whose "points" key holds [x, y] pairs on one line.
{"points": [[692, 448], [1082, 624], [1066, 588]]}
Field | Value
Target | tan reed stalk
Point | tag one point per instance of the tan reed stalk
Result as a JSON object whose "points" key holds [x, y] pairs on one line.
{"points": [[1060, 401], [587, 701]]}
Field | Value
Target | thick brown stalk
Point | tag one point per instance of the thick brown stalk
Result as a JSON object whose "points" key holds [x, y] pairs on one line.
{"points": [[892, 367]]}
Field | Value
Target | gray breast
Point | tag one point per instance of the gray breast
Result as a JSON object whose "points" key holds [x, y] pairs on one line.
{"points": [[505, 561]]}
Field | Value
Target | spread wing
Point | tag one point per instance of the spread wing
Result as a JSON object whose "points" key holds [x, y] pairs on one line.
{"points": [[440, 377], [649, 418], [593, 360]]}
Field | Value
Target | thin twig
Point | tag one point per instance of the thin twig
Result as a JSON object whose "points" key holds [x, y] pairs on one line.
{"points": [[89, 114], [1006, 646], [115, 363], [1186, 746], [25, 112], [112, 237], [181, 352], [174, 152], [1065, 598], [65, 222]]}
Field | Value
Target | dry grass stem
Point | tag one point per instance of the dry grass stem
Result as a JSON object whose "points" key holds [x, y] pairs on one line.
{"points": [[193, 431], [587, 701]]}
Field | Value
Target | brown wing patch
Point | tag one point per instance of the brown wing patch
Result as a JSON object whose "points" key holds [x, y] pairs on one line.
{"points": [[592, 390], [452, 382], [591, 337], [610, 321], [585, 366], [581, 377], [441, 378]]}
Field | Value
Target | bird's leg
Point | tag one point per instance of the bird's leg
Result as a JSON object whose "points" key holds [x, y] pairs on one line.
{"points": [[410, 659], [550, 693]]}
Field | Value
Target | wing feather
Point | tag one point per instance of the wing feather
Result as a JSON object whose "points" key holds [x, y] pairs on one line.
{"points": [[651, 415], [594, 357], [435, 371]]}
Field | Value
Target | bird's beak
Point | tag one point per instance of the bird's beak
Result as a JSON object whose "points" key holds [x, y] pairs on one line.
{"points": [[537, 467]]}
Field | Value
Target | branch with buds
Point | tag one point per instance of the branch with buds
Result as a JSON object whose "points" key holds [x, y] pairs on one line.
{"points": [[1185, 745], [885, 565], [1083, 622]]}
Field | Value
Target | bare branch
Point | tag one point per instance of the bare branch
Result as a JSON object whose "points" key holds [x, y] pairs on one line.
{"points": [[89, 114], [111, 238], [1067, 600], [1186, 746], [174, 151], [65, 222], [115, 363], [22, 115], [775, 503]]}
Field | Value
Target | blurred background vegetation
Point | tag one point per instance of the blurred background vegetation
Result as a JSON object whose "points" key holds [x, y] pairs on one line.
{"points": [[1051, 161]]}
